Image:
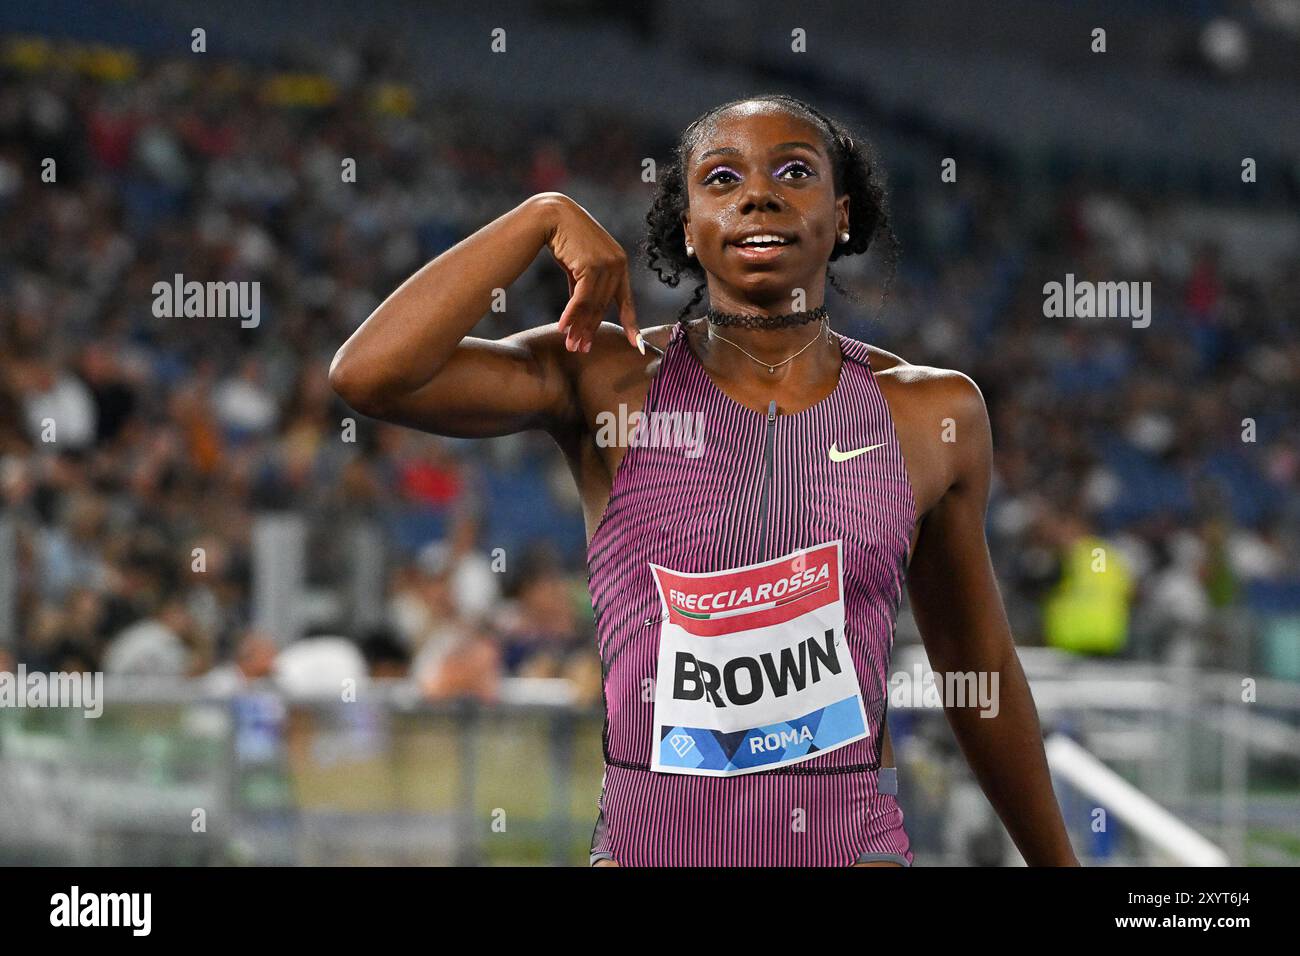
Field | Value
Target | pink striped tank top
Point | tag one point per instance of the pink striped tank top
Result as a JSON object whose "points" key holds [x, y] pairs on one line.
{"points": [[746, 577]]}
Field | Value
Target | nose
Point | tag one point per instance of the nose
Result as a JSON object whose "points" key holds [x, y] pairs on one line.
{"points": [[759, 195]]}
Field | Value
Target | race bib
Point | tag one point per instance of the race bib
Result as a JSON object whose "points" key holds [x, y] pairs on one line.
{"points": [[754, 670]]}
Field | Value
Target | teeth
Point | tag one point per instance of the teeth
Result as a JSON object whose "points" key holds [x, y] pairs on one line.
{"points": [[762, 240]]}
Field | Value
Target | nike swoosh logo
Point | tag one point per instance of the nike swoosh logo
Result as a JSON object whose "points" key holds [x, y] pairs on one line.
{"points": [[837, 455]]}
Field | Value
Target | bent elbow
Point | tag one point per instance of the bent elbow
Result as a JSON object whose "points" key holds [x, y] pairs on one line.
{"points": [[355, 388]]}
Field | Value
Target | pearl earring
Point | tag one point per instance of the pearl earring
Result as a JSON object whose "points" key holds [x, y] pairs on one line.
{"points": [[844, 237], [690, 249]]}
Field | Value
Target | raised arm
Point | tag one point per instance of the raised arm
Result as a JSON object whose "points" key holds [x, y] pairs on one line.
{"points": [[963, 624], [412, 362]]}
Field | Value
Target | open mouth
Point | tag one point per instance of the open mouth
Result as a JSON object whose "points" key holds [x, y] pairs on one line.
{"points": [[762, 246], [763, 241]]}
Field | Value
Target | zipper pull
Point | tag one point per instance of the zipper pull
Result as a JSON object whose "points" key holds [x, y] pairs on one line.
{"points": [[771, 410]]}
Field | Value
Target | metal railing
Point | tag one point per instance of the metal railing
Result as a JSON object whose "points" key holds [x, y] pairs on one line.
{"points": [[170, 775]]}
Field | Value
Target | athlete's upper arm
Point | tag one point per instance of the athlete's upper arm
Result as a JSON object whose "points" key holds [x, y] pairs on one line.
{"points": [[972, 445], [951, 583], [487, 388]]}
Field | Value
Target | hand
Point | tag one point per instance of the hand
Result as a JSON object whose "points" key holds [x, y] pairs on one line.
{"points": [[607, 863], [597, 269]]}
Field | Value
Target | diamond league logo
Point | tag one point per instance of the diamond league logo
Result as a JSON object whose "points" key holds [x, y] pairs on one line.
{"points": [[682, 743]]}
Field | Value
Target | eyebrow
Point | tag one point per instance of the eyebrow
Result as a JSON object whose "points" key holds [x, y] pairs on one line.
{"points": [[779, 147]]}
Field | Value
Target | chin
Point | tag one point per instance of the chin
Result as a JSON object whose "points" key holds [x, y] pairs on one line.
{"points": [[762, 285]]}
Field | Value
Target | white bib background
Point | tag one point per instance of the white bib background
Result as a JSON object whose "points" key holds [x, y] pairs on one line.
{"points": [[754, 670]]}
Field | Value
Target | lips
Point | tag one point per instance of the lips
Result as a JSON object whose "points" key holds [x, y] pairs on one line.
{"points": [[759, 233], [762, 244], [765, 254]]}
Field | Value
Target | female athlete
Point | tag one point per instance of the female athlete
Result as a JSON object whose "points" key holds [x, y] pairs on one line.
{"points": [[749, 541]]}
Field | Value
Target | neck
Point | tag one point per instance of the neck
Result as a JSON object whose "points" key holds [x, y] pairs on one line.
{"points": [[770, 347], [719, 318]]}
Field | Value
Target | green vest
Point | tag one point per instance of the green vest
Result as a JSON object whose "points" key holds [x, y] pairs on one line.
{"points": [[1087, 611]]}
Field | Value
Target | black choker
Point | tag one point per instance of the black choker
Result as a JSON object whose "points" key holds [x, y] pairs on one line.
{"points": [[789, 319]]}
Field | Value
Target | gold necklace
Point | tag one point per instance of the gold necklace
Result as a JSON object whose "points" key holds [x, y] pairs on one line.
{"points": [[773, 368]]}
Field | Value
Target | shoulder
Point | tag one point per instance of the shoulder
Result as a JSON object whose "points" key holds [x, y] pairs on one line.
{"points": [[940, 416], [610, 350], [927, 388], [609, 341], [614, 371]]}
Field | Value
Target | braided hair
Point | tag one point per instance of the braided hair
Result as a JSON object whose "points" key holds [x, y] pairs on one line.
{"points": [[857, 172]]}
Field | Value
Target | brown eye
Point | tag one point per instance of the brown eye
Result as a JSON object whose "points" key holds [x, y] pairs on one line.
{"points": [[720, 171]]}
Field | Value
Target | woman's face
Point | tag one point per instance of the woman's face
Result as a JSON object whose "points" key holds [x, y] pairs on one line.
{"points": [[760, 170]]}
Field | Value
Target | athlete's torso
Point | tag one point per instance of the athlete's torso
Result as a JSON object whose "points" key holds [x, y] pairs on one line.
{"points": [[737, 488]]}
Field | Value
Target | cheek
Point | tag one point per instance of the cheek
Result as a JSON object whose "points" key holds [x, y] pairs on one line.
{"points": [[822, 236], [710, 226], [819, 223]]}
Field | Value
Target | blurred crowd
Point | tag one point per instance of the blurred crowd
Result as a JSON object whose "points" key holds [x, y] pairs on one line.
{"points": [[136, 451], [1171, 450]]}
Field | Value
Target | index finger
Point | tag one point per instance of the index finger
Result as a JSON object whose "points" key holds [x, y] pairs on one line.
{"points": [[627, 314]]}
